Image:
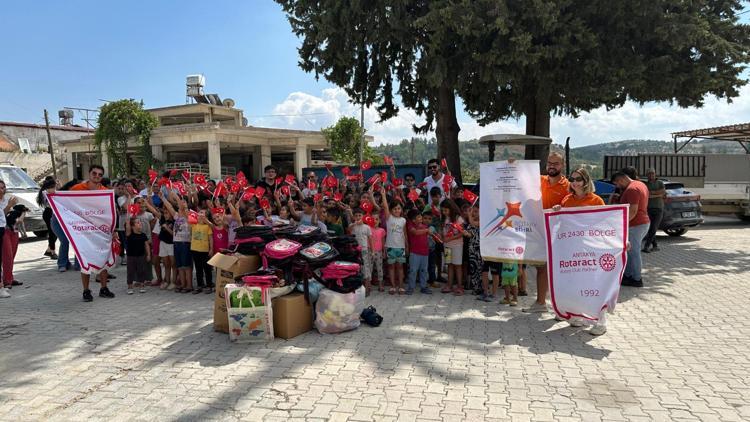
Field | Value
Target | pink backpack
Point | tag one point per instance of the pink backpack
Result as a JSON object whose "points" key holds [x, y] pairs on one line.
{"points": [[282, 248], [338, 270], [262, 281]]}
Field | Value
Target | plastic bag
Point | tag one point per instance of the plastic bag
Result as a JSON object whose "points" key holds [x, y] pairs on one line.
{"points": [[338, 312]]}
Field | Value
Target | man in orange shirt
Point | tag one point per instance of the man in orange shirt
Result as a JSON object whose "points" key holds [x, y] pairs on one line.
{"points": [[96, 173], [635, 194], [555, 187]]}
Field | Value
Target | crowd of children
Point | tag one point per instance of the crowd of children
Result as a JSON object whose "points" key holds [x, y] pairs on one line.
{"points": [[172, 224]]}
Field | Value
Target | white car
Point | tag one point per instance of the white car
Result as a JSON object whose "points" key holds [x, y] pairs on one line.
{"points": [[23, 187]]}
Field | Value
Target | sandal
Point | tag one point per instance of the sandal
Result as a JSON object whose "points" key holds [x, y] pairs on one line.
{"points": [[458, 292], [401, 291], [445, 289], [392, 291]]}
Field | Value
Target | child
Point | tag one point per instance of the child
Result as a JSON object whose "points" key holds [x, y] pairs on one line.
{"points": [[138, 254], [378, 241], [436, 254], [395, 243], [487, 294], [14, 220], [419, 252], [510, 283], [453, 241], [219, 234], [333, 216], [201, 245], [181, 241], [308, 216], [166, 250], [363, 233]]}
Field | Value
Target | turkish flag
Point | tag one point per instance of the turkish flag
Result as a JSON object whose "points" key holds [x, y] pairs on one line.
{"points": [[235, 187], [228, 180], [259, 191], [265, 204], [186, 175], [279, 180], [134, 209], [152, 175], [470, 196], [285, 190], [413, 195], [388, 160], [317, 197], [221, 189], [311, 185], [289, 178], [369, 220], [249, 193], [338, 196], [397, 182], [384, 176], [448, 179], [366, 206], [173, 173], [241, 175], [200, 180], [444, 163], [346, 171], [192, 217], [365, 165], [217, 210]]}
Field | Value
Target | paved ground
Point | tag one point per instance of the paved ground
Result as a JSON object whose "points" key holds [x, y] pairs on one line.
{"points": [[675, 350]]}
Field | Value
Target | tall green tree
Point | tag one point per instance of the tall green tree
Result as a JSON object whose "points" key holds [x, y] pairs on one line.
{"points": [[377, 50], [119, 122], [345, 140], [537, 58]]}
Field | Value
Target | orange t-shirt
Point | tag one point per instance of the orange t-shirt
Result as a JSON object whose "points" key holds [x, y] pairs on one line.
{"points": [[553, 194], [85, 186], [588, 200]]}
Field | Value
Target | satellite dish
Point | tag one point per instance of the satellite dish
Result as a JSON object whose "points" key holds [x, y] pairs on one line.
{"points": [[228, 102]]}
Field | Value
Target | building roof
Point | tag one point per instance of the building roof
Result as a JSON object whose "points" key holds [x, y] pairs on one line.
{"points": [[738, 132], [54, 127]]}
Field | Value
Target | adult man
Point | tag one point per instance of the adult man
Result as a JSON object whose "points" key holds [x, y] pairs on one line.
{"points": [[435, 179], [554, 188], [635, 195], [6, 204], [656, 192], [96, 173], [306, 191], [269, 181]]}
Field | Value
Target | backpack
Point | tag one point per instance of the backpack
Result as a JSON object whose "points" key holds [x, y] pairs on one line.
{"points": [[338, 270], [319, 253]]}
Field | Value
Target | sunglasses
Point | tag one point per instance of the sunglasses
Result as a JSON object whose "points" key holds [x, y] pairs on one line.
{"points": [[576, 179]]}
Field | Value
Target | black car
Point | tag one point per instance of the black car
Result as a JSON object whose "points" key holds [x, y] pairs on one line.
{"points": [[682, 209]]}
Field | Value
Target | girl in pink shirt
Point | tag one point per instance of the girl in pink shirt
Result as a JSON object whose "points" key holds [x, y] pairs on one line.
{"points": [[220, 234], [378, 240]]}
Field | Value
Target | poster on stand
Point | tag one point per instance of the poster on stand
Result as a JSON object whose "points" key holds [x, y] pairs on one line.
{"points": [[510, 212], [587, 252]]}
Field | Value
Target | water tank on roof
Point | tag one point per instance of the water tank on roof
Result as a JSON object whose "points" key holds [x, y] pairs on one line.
{"points": [[196, 80]]}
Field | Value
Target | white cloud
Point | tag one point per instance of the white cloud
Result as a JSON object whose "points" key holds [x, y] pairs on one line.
{"points": [[302, 110]]}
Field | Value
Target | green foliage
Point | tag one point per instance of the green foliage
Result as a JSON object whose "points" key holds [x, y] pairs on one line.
{"points": [[119, 122], [345, 139]]}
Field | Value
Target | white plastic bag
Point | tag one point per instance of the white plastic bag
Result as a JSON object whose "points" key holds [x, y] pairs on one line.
{"points": [[338, 312]]}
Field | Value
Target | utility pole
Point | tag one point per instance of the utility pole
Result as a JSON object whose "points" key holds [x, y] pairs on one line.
{"points": [[49, 145], [362, 128], [567, 156]]}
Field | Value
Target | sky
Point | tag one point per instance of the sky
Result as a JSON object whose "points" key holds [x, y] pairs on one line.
{"points": [[80, 53]]}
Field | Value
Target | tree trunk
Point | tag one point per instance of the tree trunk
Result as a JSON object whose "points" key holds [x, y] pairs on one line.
{"points": [[537, 124], [447, 130]]}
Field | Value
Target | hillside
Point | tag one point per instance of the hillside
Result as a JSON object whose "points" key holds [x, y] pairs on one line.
{"points": [[419, 150]]}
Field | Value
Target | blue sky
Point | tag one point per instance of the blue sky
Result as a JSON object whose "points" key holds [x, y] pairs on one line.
{"points": [[74, 53]]}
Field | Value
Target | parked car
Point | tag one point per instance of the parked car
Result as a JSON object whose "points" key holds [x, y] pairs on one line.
{"points": [[22, 186], [682, 208]]}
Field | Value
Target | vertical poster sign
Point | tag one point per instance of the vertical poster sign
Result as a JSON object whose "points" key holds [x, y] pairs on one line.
{"points": [[88, 220], [586, 250], [510, 212]]}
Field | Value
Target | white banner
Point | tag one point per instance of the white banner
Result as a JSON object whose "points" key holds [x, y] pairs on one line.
{"points": [[586, 250], [510, 212], [88, 220]]}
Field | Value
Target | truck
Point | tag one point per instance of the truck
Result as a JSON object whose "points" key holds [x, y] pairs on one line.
{"points": [[23, 187], [720, 181]]}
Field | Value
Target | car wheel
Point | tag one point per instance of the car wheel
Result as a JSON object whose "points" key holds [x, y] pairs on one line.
{"points": [[744, 217], [41, 233], [676, 232]]}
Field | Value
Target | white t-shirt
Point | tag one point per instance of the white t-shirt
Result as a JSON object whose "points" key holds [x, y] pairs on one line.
{"points": [[431, 183], [395, 227], [362, 233], [3, 204]]}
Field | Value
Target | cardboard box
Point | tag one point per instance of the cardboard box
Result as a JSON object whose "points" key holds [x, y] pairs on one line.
{"points": [[292, 316], [227, 268]]}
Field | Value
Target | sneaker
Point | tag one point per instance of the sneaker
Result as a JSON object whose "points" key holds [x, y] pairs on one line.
{"points": [[482, 297], [4, 292], [505, 301], [409, 291], [536, 308], [130, 291], [627, 281], [171, 286], [513, 302], [104, 292], [62, 270], [489, 298], [425, 290], [87, 297], [575, 322], [16, 283], [598, 330], [164, 285], [142, 289]]}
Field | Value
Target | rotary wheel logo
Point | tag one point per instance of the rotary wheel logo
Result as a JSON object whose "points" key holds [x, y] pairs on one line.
{"points": [[519, 250], [104, 228], [607, 262]]}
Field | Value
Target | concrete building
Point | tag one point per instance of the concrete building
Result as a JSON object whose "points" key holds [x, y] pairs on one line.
{"points": [[214, 139]]}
